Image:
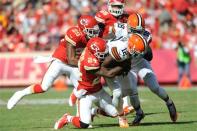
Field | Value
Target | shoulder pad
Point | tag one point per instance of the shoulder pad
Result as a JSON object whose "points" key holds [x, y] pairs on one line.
{"points": [[147, 35], [73, 35], [101, 16]]}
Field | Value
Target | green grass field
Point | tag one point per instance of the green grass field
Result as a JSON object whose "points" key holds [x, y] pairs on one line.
{"points": [[39, 112]]}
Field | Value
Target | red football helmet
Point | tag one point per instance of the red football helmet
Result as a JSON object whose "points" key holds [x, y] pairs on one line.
{"points": [[89, 26], [98, 47], [136, 22], [116, 7]]}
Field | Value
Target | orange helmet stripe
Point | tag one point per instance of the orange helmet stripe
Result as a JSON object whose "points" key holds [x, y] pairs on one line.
{"points": [[135, 20], [139, 19]]}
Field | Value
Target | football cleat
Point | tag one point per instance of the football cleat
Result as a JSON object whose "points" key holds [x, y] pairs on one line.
{"points": [[138, 119], [61, 122], [72, 99], [128, 109], [123, 122], [14, 100], [172, 112]]}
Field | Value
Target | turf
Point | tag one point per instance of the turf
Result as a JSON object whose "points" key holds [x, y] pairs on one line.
{"points": [[41, 117]]}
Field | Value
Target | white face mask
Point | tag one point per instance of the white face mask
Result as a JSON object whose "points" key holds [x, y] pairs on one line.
{"points": [[101, 55], [92, 32], [116, 9]]}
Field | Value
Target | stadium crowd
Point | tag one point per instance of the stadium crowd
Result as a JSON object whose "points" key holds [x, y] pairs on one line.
{"points": [[33, 25]]}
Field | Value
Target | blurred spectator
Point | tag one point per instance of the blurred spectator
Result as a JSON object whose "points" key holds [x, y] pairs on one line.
{"points": [[39, 24], [183, 61]]}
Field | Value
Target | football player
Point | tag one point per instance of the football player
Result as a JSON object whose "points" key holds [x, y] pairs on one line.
{"points": [[118, 50], [90, 74], [65, 57], [140, 65], [107, 19], [114, 14]]}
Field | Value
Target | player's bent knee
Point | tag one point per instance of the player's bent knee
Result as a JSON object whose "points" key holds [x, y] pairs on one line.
{"points": [[143, 72], [111, 111], [83, 125]]}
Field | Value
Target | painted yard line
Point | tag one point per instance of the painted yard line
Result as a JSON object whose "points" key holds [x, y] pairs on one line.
{"points": [[39, 102], [45, 102]]}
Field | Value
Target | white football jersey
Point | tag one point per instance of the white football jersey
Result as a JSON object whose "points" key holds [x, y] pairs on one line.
{"points": [[121, 30], [118, 49]]}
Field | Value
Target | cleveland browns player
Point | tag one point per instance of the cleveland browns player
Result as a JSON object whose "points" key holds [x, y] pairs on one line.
{"points": [[140, 66]]}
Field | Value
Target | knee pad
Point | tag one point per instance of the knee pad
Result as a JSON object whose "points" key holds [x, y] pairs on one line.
{"points": [[143, 72], [83, 125], [134, 74]]}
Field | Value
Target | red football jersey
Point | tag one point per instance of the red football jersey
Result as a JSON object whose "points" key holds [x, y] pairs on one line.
{"points": [[90, 82], [108, 20], [75, 37]]}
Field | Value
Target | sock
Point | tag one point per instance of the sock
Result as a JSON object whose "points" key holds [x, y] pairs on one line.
{"points": [[138, 110], [37, 89], [168, 100], [94, 111], [29, 90], [136, 103], [125, 102], [75, 121]]}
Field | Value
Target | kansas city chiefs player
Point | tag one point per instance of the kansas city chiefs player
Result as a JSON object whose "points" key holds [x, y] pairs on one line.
{"points": [[107, 19], [115, 14], [90, 74], [65, 57]]}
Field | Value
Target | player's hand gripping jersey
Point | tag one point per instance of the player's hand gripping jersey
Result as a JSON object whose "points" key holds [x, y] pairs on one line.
{"points": [[73, 36]]}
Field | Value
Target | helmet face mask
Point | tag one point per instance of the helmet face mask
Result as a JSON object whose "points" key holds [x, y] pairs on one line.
{"points": [[101, 55], [92, 32], [116, 7], [138, 29], [135, 54]]}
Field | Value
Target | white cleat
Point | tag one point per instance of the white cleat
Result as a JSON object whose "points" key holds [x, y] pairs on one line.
{"points": [[123, 122], [14, 100]]}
